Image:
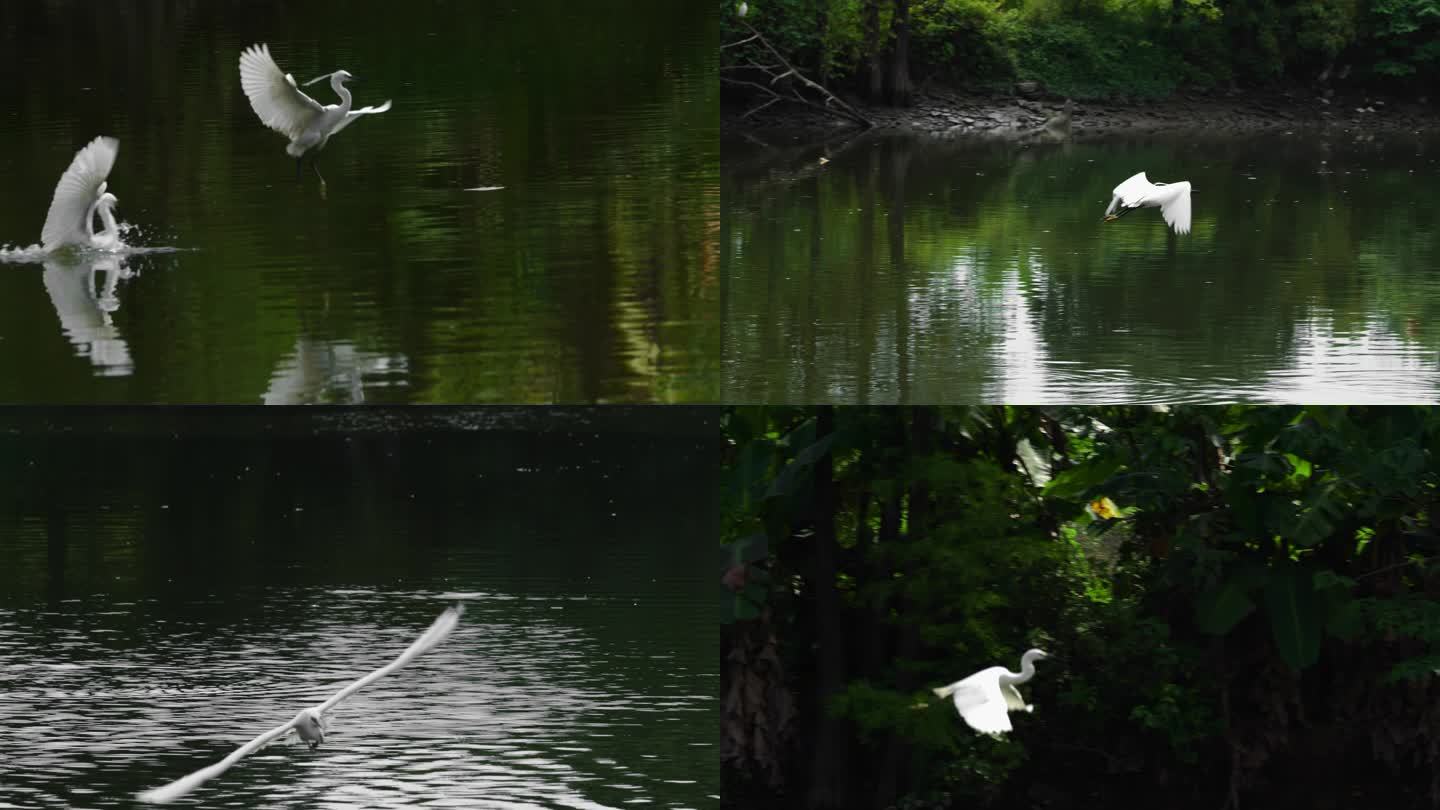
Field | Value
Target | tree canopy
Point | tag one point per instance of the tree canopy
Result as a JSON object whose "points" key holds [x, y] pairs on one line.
{"points": [[1092, 48], [1242, 600]]}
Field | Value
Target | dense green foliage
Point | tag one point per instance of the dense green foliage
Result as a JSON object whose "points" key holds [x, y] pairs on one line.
{"points": [[1089, 48], [1258, 615]]}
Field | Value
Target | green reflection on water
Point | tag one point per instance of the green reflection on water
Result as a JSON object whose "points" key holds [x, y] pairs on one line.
{"points": [[943, 271], [590, 277]]}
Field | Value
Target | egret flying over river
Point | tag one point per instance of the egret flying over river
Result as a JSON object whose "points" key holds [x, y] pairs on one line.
{"points": [[309, 724], [1173, 200], [986, 698], [283, 107], [80, 196]]}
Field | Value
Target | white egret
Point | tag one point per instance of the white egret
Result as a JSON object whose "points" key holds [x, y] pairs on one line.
{"points": [[79, 196], [743, 9], [986, 698], [1173, 200], [283, 107], [310, 723]]}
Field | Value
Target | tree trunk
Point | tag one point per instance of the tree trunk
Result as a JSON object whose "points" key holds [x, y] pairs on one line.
{"points": [[829, 770], [875, 49], [900, 88], [889, 779]]}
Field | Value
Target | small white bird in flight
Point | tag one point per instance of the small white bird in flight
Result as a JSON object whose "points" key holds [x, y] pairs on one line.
{"points": [[310, 723], [79, 196], [1173, 200], [283, 107], [986, 698]]}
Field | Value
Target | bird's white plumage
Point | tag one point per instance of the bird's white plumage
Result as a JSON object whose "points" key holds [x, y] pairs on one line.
{"points": [[284, 107], [80, 187], [986, 698], [353, 114], [980, 700], [273, 95], [437, 633], [1173, 200]]}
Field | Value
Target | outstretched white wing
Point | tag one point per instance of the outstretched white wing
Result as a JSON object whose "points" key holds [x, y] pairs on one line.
{"points": [[980, 701], [169, 793], [431, 637], [353, 114], [1013, 701], [1175, 206], [76, 192], [436, 634], [273, 94]]}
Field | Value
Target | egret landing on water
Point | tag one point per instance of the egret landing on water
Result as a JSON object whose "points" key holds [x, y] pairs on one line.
{"points": [[79, 196], [986, 698], [283, 107], [1173, 200], [310, 723]]}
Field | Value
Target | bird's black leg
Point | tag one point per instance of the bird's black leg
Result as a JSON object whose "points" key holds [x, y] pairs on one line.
{"points": [[315, 164], [299, 161]]}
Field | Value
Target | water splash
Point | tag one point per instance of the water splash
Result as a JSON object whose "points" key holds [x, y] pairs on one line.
{"points": [[36, 253]]}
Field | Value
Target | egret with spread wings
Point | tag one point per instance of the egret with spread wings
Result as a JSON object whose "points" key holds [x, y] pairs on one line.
{"points": [[309, 724], [1173, 200], [80, 196], [283, 107], [986, 698]]}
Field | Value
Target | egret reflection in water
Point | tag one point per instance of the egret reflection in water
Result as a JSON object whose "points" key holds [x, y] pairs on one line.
{"points": [[335, 372], [85, 294]]}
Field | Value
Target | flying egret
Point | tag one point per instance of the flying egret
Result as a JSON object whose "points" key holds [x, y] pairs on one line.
{"points": [[1173, 200], [310, 723], [79, 196], [986, 698], [283, 107]]}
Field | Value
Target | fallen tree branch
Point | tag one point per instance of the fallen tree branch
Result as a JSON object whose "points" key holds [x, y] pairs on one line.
{"points": [[793, 85]]}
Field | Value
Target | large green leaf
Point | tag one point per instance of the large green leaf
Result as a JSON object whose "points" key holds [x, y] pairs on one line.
{"points": [[1294, 615], [1219, 609], [1317, 517], [1077, 480]]}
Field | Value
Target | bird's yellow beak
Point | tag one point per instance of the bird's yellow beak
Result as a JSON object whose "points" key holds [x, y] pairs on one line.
{"points": [[1110, 217]]}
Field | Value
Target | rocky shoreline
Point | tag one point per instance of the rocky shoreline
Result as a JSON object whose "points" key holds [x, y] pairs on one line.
{"points": [[957, 113]]}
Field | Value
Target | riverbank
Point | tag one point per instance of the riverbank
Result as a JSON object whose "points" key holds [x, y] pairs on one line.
{"points": [[943, 112]]}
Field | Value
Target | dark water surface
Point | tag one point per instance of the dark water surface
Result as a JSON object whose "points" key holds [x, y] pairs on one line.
{"points": [[165, 598], [910, 270], [590, 277]]}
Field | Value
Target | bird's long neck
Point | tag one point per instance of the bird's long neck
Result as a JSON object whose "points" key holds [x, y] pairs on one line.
{"points": [[1027, 671], [108, 218], [338, 85], [90, 219]]}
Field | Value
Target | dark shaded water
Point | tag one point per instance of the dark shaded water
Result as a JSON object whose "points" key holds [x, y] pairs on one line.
{"points": [[912, 270], [590, 277], [171, 590]]}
